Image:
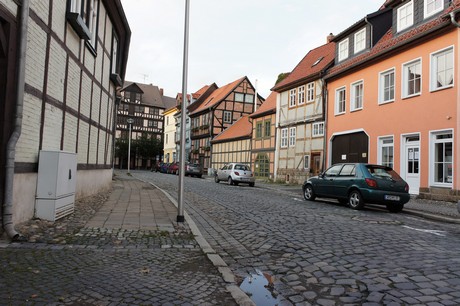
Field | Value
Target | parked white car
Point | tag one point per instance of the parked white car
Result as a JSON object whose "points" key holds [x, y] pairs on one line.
{"points": [[235, 173]]}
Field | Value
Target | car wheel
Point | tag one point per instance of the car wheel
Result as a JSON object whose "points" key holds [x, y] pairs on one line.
{"points": [[230, 180], [216, 179], [355, 200], [251, 184], [395, 208], [309, 193]]}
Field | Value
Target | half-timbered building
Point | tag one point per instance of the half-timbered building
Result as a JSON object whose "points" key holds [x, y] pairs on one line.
{"points": [[145, 105], [60, 96], [300, 116], [263, 141], [217, 110]]}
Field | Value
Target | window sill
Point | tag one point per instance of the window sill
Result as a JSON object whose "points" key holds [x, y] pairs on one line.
{"points": [[411, 96], [386, 102], [441, 88], [78, 25], [91, 48]]}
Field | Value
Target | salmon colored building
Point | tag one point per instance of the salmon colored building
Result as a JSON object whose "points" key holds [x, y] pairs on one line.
{"points": [[393, 94]]}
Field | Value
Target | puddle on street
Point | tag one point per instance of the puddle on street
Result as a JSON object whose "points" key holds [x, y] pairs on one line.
{"points": [[259, 288]]}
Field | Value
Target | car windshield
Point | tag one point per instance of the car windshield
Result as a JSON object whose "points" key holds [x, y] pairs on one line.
{"points": [[242, 167], [383, 173]]}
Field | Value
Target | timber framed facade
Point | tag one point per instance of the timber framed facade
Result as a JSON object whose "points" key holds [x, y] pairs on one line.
{"points": [[300, 117], [216, 111], [72, 71]]}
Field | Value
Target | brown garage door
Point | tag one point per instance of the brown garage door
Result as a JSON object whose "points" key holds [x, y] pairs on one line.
{"points": [[352, 148]]}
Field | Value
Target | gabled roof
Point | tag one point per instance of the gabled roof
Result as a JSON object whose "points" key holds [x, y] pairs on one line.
{"points": [[151, 94], [217, 96], [390, 42], [315, 62], [241, 129], [268, 107], [204, 93], [200, 91]]}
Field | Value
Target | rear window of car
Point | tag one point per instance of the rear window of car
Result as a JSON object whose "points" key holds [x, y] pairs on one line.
{"points": [[383, 173], [241, 167]]}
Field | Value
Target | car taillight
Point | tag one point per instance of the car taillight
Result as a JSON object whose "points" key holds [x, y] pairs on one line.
{"points": [[406, 188], [371, 183], [237, 173]]}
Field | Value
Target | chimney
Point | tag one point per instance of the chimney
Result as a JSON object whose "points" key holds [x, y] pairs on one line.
{"points": [[330, 37], [161, 91]]}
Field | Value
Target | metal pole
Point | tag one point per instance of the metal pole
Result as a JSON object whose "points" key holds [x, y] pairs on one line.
{"points": [[130, 122], [180, 206]]}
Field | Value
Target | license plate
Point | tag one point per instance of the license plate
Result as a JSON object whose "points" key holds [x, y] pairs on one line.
{"points": [[391, 198]]}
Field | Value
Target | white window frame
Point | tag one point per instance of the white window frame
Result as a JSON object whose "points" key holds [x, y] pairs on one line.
{"points": [[284, 138], [356, 99], [409, 17], [311, 92], [227, 117], [434, 58], [426, 3], [318, 129], [306, 161], [360, 40], [292, 96], [405, 78], [343, 51], [292, 136], [382, 87], [301, 95], [381, 146], [433, 143], [339, 109]]}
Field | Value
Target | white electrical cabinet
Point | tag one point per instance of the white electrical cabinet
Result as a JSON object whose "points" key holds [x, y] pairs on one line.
{"points": [[57, 171]]}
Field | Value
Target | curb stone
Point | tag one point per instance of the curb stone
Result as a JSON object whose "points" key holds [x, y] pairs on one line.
{"points": [[241, 298]]}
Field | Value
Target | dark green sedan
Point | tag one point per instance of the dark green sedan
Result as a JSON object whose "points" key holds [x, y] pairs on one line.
{"points": [[356, 184]]}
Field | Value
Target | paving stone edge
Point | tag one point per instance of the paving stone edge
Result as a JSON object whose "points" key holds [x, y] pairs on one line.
{"points": [[241, 298]]}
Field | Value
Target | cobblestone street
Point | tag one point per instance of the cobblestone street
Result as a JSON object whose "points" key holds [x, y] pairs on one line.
{"points": [[68, 263], [322, 253]]}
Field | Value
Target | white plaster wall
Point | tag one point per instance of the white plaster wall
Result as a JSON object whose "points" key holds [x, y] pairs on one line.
{"points": [[27, 146], [24, 188], [93, 181]]}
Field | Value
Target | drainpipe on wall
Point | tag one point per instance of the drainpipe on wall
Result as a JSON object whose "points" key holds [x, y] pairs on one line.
{"points": [[8, 225], [455, 23], [452, 18]]}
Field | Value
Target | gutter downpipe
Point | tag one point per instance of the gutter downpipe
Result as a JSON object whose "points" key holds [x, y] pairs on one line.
{"points": [[8, 225], [452, 18], [455, 23]]}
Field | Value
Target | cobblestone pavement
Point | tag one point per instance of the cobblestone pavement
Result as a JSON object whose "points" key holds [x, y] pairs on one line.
{"points": [[322, 253], [68, 263]]}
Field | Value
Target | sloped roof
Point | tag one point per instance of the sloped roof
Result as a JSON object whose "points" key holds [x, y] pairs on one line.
{"points": [[200, 91], [311, 65], [390, 42], [151, 94], [218, 95], [241, 129], [268, 107]]}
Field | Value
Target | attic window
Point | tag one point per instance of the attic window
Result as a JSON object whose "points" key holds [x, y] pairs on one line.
{"points": [[317, 61]]}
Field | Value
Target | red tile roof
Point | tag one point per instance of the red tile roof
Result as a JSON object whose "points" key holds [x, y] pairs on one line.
{"points": [[239, 130], [269, 106], [218, 95], [307, 68], [390, 42], [200, 91]]}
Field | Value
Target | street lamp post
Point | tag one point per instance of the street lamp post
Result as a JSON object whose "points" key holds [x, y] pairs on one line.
{"points": [[130, 122]]}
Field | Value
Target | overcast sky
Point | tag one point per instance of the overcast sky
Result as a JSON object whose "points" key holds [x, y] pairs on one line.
{"points": [[231, 39]]}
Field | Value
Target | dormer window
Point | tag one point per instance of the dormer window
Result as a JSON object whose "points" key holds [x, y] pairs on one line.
{"points": [[432, 7], [405, 16], [360, 40], [343, 50]]}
